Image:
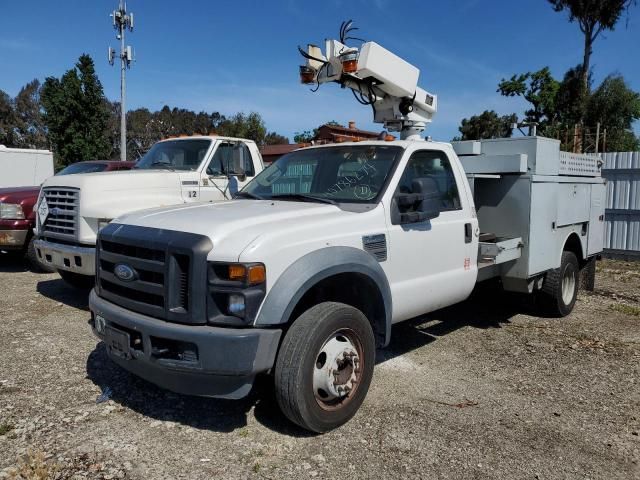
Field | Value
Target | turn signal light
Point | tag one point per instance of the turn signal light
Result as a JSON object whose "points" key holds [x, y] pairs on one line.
{"points": [[237, 272], [257, 274], [349, 60], [252, 274], [307, 74]]}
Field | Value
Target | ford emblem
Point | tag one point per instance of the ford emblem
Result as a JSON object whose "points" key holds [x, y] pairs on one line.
{"points": [[125, 272]]}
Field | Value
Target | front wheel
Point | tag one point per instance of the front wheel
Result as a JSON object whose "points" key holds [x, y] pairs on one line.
{"points": [[31, 256], [76, 280], [325, 366], [560, 287]]}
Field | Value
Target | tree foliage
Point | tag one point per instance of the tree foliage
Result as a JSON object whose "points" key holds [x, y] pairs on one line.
{"points": [[7, 120], [242, 125], [614, 105], [273, 138], [305, 137], [593, 17], [558, 107], [144, 128], [539, 89], [21, 124], [486, 125], [76, 114]]}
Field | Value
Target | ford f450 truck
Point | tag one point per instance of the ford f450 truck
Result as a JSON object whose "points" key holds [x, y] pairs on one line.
{"points": [[304, 273], [72, 209]]}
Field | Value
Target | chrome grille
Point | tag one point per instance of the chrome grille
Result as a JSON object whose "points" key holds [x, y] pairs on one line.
{"points": [[64, 205]]}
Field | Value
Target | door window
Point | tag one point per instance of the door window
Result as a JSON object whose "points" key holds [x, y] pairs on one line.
{"points": [[432, 164], [228, 159]]}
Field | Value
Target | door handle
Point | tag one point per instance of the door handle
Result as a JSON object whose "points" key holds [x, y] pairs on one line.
{"points": [[468, 233]]}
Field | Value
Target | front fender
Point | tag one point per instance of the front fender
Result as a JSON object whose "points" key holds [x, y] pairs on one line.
{"points": [[313, 267]]}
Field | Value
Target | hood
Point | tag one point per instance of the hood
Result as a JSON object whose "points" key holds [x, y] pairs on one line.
{"points": [[117, 180], [232, 225], [18, 194], [111, 194]]}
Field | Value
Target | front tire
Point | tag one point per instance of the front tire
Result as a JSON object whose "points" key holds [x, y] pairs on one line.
{"points": [[325, 366], [76, 280], [560, 287], [31, 256]]}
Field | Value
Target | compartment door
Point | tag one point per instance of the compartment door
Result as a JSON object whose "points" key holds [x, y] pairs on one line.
{"points": [[595, 240]]}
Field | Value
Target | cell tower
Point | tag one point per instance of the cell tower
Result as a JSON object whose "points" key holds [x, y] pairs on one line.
{"points": [[121, 22]]}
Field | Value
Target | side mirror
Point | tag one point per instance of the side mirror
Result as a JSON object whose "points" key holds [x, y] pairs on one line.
{"points": [[423, 203]]}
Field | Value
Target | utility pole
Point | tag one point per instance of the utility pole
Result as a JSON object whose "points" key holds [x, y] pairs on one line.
{"points": [[121, 21]]}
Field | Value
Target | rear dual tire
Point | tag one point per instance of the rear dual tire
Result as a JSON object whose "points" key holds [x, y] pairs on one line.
{"points": [[325, 366], [560, 288]]}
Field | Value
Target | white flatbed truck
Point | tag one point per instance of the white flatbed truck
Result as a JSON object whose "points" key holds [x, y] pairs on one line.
{"points": [[304, 273], [71, 209]]}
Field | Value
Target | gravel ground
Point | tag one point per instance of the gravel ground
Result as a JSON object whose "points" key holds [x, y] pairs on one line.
{"points": [[482, 390]]}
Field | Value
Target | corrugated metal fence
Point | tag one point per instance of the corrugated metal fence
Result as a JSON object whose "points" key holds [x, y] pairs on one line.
{"points": [[622, 171]]}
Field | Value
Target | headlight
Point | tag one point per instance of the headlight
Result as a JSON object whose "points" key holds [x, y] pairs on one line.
{"points": [[103, 222], [11, 211], [236, 305], [236, 291]]}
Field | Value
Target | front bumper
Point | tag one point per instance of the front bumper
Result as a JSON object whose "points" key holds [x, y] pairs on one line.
{"points": [[75, 259], [191, 359]]}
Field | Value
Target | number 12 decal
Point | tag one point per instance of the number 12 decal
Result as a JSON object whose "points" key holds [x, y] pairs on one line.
{"points": [[193, 193]]}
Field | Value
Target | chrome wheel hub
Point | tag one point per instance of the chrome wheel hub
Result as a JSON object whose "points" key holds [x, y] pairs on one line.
{"points": [[336, 370]]}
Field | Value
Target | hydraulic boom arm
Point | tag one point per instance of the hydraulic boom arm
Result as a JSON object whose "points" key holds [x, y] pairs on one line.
{"points": [[377, 77]]}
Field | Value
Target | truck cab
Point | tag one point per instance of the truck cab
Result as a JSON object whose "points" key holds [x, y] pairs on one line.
{"points": [[200, 298], [72, 209]]}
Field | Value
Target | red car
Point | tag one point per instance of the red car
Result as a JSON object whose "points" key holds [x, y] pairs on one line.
{"points": [[17, 217]]}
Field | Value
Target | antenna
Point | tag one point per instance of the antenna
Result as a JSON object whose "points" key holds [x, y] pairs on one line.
{"points": [[121, 22]]}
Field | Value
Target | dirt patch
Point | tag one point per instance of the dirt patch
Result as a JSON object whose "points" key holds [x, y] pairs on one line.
{"points": [[483, 390]]}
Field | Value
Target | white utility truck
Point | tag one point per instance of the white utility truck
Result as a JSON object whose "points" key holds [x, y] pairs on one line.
{"points": [[73, 208], [24, 167], [304, 273]]}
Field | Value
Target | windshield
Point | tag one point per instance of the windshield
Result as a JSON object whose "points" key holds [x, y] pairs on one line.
{"points": [[83, 167], [175, 155], [351, 174]]}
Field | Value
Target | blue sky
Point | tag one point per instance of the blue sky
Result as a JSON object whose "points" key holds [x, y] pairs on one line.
{"points": [[241, 55]]}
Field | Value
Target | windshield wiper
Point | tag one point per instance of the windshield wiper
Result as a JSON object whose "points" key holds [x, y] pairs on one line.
{"points": [[303, 197], [242, 194]]}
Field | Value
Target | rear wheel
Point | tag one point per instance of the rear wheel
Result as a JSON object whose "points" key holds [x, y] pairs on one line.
{"points": [[325, 366], [560, 287], [31, 256], [81, 282]]}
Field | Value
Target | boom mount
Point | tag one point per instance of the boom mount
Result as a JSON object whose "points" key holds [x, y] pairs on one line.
{"points": [[377, 77]]}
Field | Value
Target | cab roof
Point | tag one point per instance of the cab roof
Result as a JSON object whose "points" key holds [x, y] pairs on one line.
{"points": [[207, 137]]}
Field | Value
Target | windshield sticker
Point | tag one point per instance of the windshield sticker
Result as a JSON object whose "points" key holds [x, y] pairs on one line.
{"points": [[363, 192], [349, 181]]}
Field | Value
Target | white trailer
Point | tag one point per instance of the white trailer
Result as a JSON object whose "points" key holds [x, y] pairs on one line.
{"points": [[24, 167]]}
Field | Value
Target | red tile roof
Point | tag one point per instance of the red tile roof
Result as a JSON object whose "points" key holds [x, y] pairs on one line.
{"points": [[280, 149]]}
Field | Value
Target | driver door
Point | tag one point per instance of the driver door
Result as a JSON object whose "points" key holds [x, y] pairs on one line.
{"points": [[220, 180], [429, 260]]}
